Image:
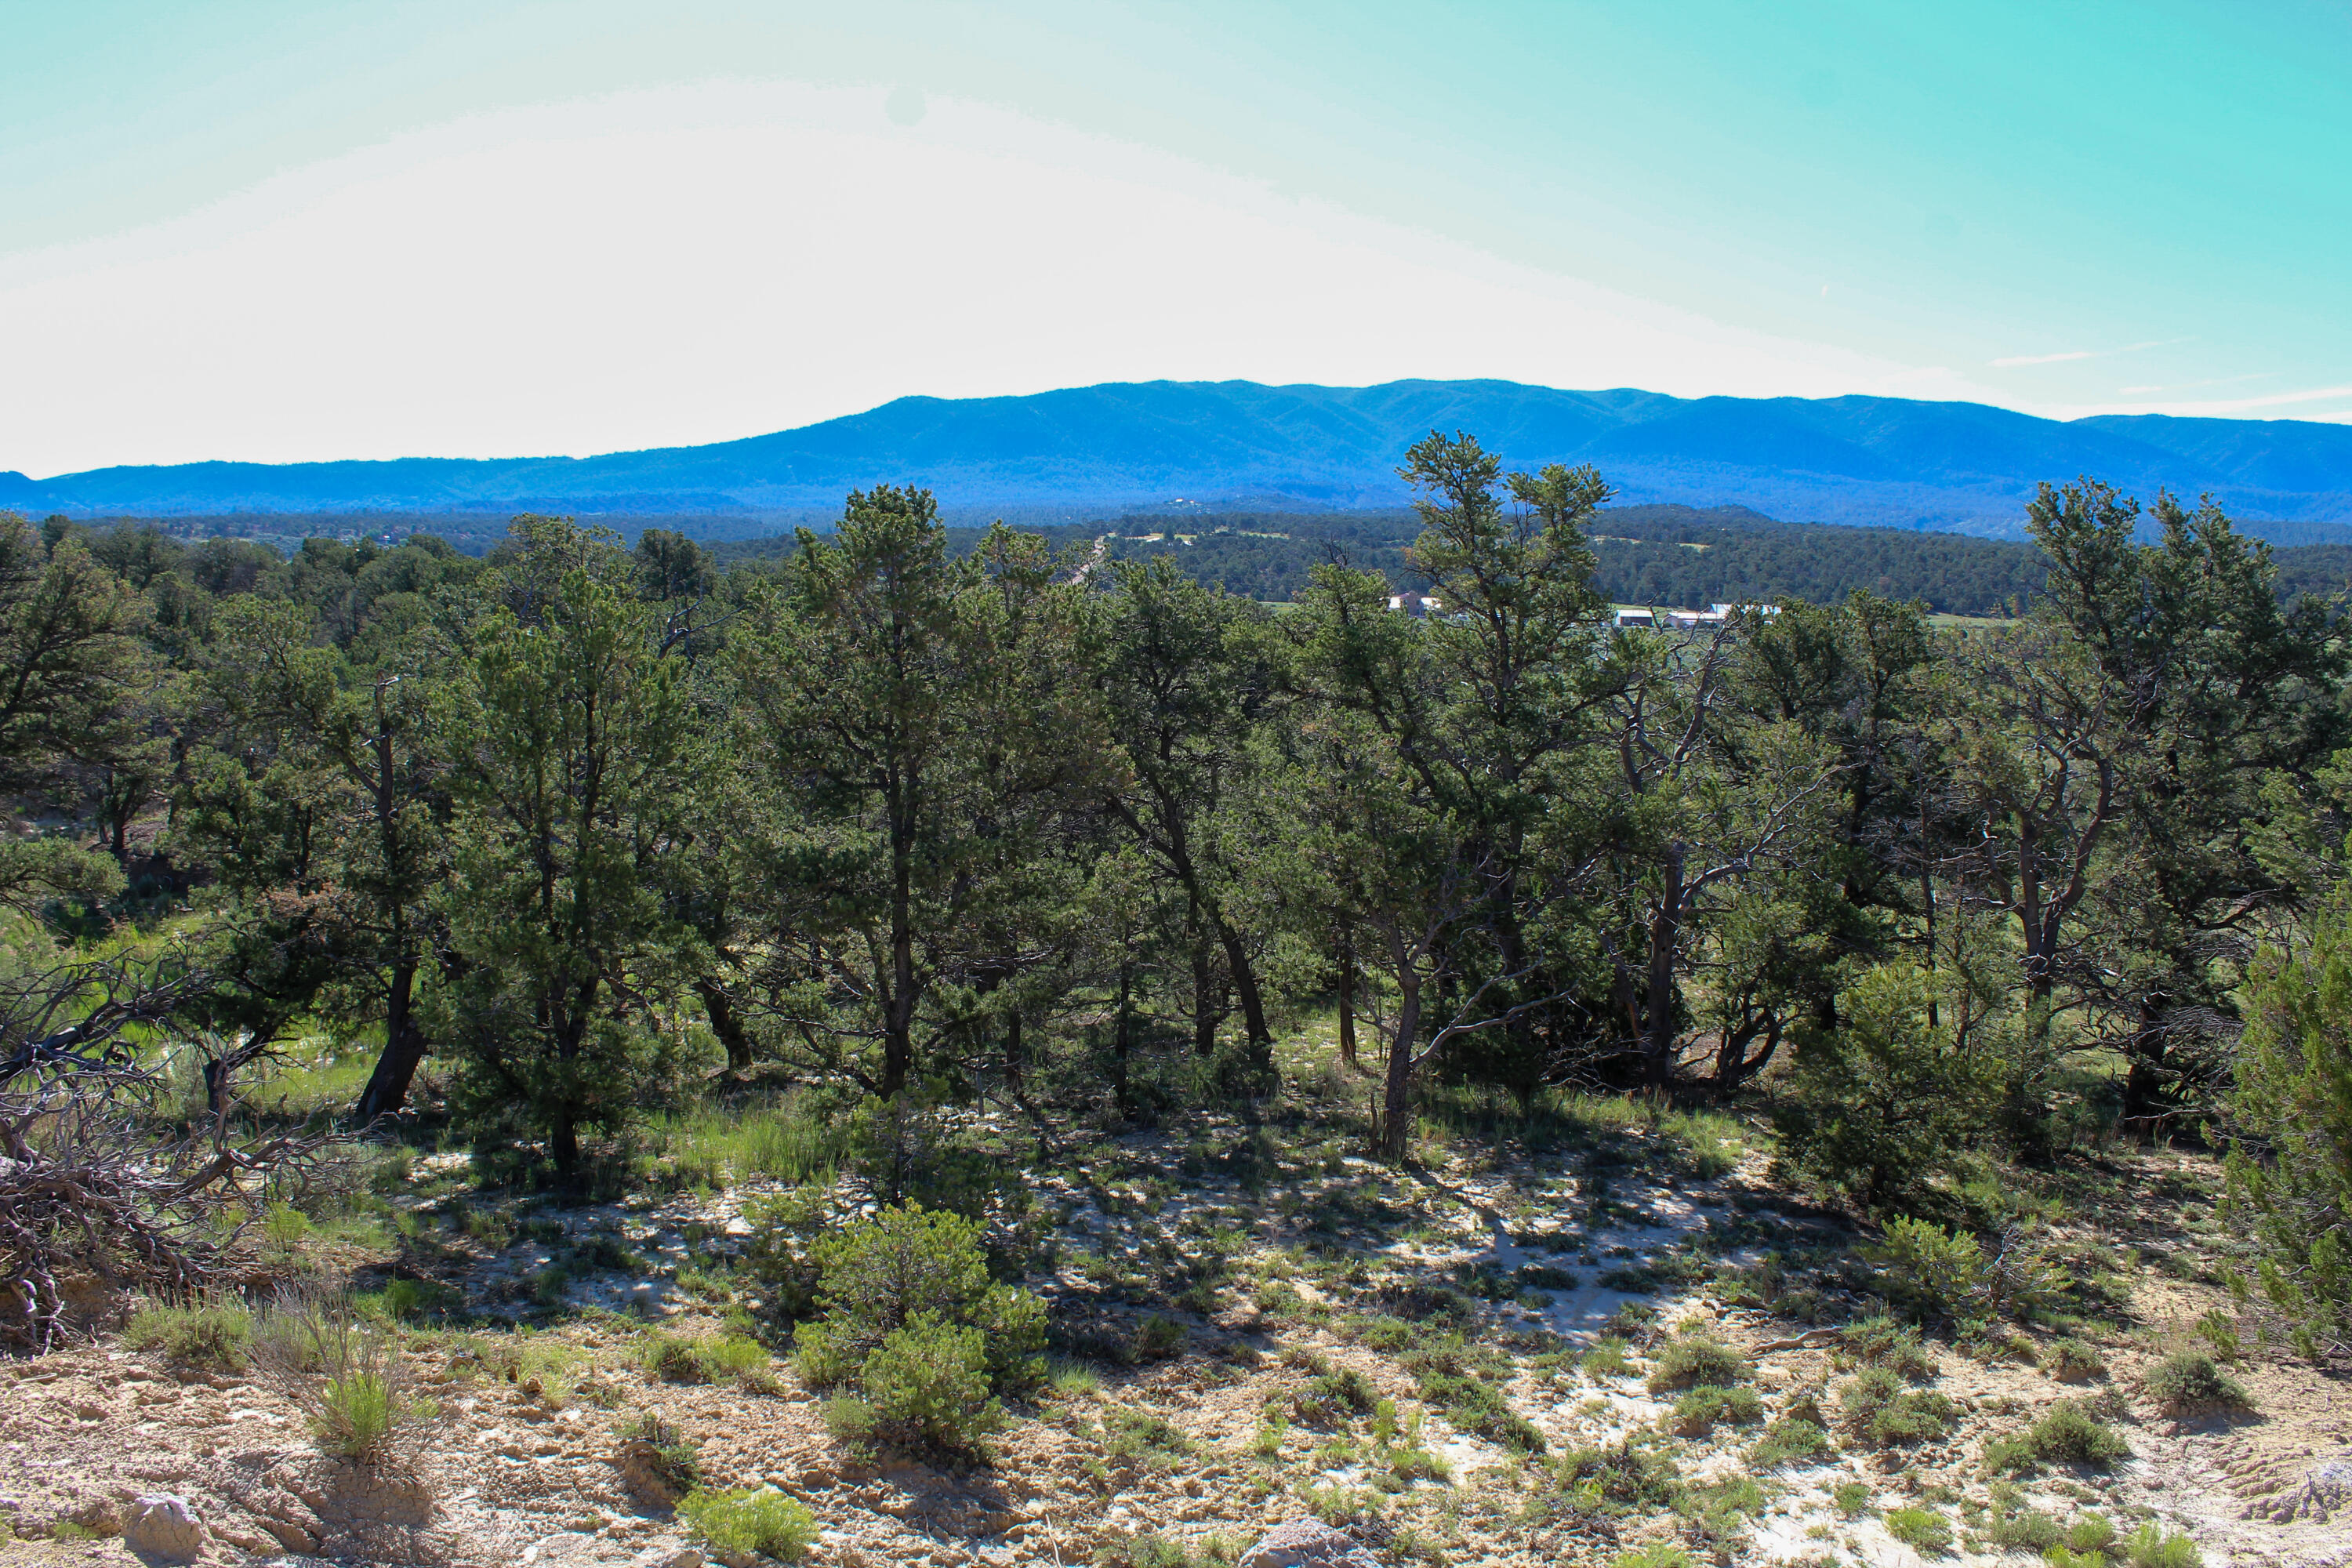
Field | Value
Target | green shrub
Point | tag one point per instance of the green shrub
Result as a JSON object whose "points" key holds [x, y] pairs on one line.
{"points": [[2024, 1530], [2289, 1171], [1661, 1554], [2150, 1547], [1605, 1357], [1880, 1108], [2187, 1384], [283, 1227], [1922, 1529], [1790, 1441], [1152, 1550], [1882, 1342], [1937, 1273], [1851, 1499], [1696, 1360], [876, 1274], [1140, 1438], [927, 1385], [756, 1519], [2066, 1434], [670, 1459], [212, 1334], [346, 1376], [2073, 1361], [1159, 1339], [1349, 1388], [1625, 1476], [1698, 1411], [1877, 1407]]}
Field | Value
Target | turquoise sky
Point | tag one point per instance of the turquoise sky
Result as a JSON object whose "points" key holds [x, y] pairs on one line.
{"points": [[2061, 207]]}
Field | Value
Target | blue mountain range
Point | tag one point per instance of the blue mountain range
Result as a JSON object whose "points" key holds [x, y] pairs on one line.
{"points": [[1097, 450]]}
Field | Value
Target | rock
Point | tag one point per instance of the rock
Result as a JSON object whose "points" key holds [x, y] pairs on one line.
{"points": [[686, 1558], [1306, 1543], [2327, 1487], [165, 1528]]}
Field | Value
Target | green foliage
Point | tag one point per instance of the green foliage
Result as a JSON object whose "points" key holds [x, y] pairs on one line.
{"points": [[755, 1519], [672, 1459], [878, 1273], [1925, 1530], [1137, 1436], [927, 1385], [1877, 1408], [2187, 1384], [2150, 1547], [1152, 1550], [1696, 1360], [913, 1324], [1790, 1441], [2289, 1170], [1881, 1341], [2073, 1359], [1698, 1412], [1851, 1499], [2067, 1434], [210, 1334], [1878, 1107]]}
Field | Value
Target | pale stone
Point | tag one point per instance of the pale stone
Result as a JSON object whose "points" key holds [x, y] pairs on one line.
{"points": [[165, 1528], [1306, 1543]]}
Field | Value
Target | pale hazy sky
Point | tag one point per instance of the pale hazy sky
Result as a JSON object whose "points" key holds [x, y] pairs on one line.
{"points": [[285, 231]]}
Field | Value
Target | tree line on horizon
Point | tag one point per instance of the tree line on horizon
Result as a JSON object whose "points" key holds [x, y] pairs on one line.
{"points": [[575, 830]]}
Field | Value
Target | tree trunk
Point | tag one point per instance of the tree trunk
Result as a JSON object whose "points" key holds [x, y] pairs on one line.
{"points": [[1013, 1054], [1244, 984], [1204, 1007], [1123, 1037], [1665, 936], [1347, 1001], [1396, 1113], [725, 1024], [404, 1049]]}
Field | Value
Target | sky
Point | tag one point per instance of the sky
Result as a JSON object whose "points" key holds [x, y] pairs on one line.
{"points": [[274, 231]]}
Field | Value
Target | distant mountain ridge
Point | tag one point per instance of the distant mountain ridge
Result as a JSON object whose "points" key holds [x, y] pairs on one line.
{"points": [[1097, 450]]}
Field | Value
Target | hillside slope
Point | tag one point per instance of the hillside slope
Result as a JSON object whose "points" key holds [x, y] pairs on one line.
{"points": [[1890, 462]]}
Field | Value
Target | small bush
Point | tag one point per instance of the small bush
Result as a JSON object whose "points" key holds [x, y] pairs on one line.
{"points": [[671, 1358], [2073, 1361], [1696, 1360], [2025, 1530], [1628, 1475], [877, 1274], [1605, 1358], [1698, 1412], [1140, 1438], [1935, 1273], [1851, 1499], [1922, 1529], [210, 1334], [667, 1456], [1876, 1408], [2150, 1547], [1790, 1441], [2066, 1434], [2187, 1384], [1347, 1387], [345, 1376], [1161, 1339], [754, 1520], [1882, 1342], [283, 1227], [927, 1385], [1659, 1555], [1152, 1550]]}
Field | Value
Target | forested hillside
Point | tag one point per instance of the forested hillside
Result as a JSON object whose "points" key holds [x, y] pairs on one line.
{"points": [[1461, 1048]]}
